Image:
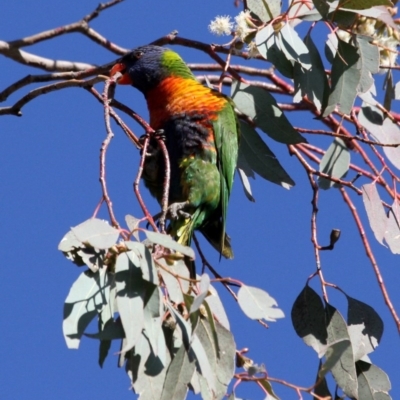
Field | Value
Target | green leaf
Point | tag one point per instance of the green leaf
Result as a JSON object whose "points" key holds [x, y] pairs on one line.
{"points": [[293, 47], [382, 130], [258, 304], [365, 327], [130, 295], [312, 82], [178, 376], [364, 4], [373, 383], [269, 47], [260, 158], [345, 78], [85, 300], [265, 10], [97, 233], [335, 163], [262, 108], [168, 242], [375, 211], [344, 371], [308, 318]]}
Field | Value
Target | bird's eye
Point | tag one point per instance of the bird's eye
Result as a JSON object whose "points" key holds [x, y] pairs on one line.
{"points": [[137, 54]]}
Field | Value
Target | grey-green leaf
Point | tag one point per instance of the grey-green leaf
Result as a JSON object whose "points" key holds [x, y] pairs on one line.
{"points": [[375, 211], [365, 327], [345, 78], [260, 158], [96, 232], [373, 383], [364, 4], [382, 130], [265, 10], [178, 376], [133, 225], [269, 47], [167, 241], [344, 371], [130, 294], [262, 108], [335, 163], [198, 300], [293, 47], [312, 82], [146, 370], [84, 301], [245, 172], [258, 304], [308, 318], [368, 62]]}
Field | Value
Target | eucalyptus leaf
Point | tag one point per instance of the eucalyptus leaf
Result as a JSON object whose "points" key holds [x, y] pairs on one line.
{"points": [[178, 376], [258, 304], [375, 211], [335, 163], [198, 300], [293, 47], [344, 371], [311, 82], [97, 233], [382, 130], [365, 327], [260, 158], [130, 298], [265, 10], [262, 108], [345, 77], [373, 383], [168, 242], [269, 47], [308, 318], [85, 300]]}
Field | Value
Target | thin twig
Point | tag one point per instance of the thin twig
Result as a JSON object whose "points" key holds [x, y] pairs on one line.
{"points": [[103, 151]]}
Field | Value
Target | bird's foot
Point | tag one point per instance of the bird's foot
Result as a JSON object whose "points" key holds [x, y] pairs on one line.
{"points": [[175, 210], [159, 134]]}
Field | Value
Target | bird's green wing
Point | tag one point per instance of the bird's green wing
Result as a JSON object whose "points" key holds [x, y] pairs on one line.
{"points": [[226, 132]]}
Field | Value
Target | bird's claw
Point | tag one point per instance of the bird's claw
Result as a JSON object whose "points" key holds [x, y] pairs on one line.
{"points": [[175, 210]]}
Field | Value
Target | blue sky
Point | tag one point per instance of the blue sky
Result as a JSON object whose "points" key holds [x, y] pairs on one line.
{"points": [[49, 182]]}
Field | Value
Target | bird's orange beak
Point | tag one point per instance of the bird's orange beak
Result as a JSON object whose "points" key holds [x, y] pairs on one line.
{"points": [[125, 78]]}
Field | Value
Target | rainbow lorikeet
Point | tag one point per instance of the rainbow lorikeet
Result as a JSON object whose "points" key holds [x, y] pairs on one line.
{"points": [[202, 138]]}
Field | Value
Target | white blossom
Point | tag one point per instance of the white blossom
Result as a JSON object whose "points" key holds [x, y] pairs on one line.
{"points": [[252, 49], [242, 27], [221, 25]]}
